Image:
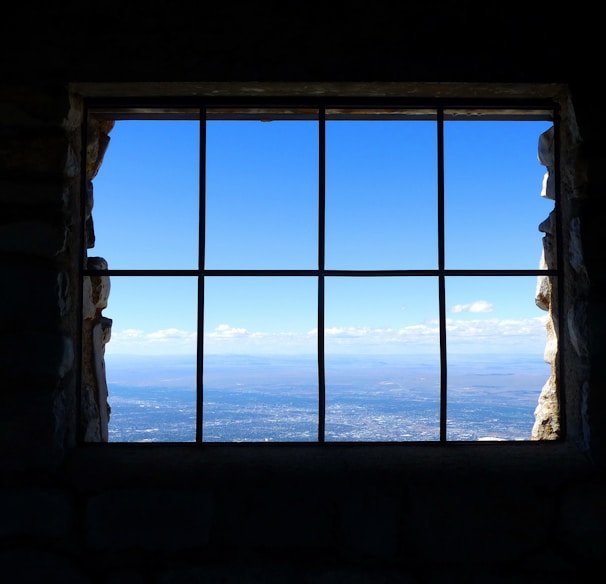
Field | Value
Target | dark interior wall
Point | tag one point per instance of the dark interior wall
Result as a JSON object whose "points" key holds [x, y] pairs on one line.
{"points": [[287, 41], [74, 514]]}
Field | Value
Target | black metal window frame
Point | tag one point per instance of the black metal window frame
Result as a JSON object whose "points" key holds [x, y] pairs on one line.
{"points": [[322, 109]]}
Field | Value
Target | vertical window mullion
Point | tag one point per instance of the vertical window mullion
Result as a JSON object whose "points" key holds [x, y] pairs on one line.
{"points": [[441, 278], [201, 267], [321, 266]]}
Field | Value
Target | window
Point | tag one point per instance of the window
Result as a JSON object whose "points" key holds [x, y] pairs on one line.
{"points": [[360, 272]]}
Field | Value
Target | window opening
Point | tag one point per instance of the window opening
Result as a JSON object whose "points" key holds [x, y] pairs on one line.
{"points": [[358, 274]]}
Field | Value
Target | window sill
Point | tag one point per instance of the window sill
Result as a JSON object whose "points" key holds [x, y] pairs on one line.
{"points": [[121, 465]]}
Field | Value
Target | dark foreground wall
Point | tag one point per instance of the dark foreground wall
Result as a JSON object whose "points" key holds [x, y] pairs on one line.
{"points": [[307, 513]]}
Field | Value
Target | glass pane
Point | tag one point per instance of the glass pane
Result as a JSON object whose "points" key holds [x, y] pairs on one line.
{"points": [[381, 195], [261, 194], [146, 196], [260, 364], [150, 359], [496, 366], [382, 359], [493, 202]]}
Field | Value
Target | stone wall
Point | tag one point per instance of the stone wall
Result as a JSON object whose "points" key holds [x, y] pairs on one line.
{"points": [[95, 409], [39, 177], [547, 414], [298, 513]]}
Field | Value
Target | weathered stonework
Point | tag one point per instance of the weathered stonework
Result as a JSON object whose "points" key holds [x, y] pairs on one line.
{"points": [[95, 410], [547, 413]]}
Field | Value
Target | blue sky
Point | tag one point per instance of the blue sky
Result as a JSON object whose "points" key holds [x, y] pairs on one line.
{"points": [[381, 213]]}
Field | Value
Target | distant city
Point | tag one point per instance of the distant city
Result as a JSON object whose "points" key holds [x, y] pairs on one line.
{"points": [[368, 398]]}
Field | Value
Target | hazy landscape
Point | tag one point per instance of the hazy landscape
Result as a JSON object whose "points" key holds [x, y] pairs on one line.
{"points": [[272, 399]]}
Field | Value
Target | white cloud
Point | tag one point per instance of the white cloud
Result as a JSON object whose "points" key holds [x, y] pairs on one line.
{"points": [[128, 334], [171, 334], [162, 341], [477, 306], [495, 328], [224, 331], [478, 335], [355, 332]]}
